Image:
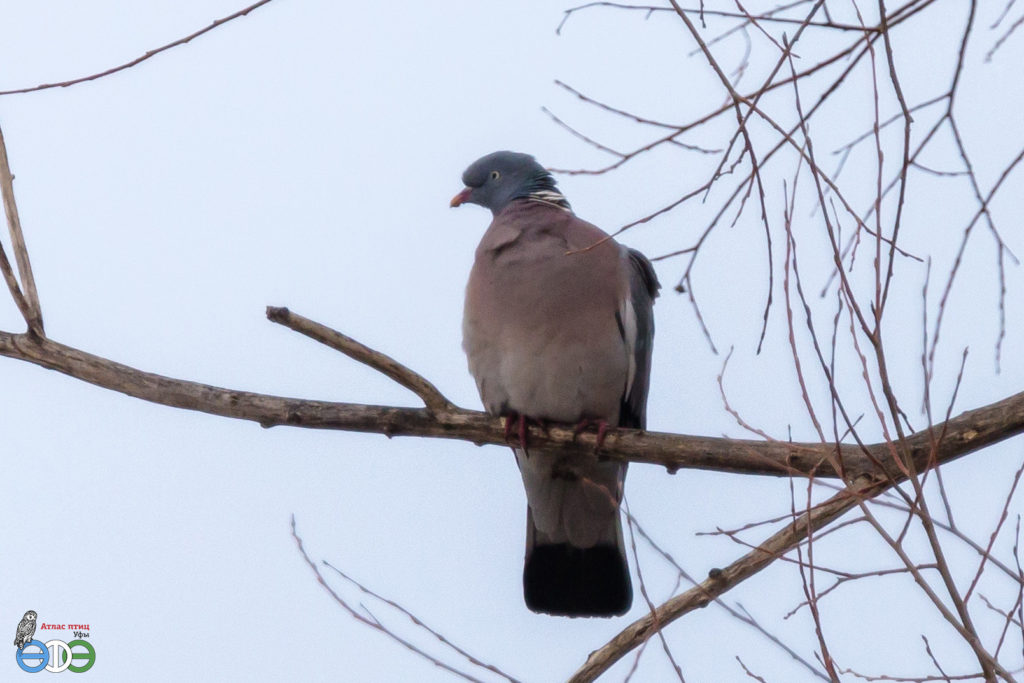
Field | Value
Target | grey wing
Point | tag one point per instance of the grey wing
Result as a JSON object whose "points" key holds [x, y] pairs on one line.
{"points": [[643, 288], [25, 628]]}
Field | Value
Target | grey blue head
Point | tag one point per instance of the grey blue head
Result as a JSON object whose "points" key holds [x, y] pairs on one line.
{"points": [[501, 177]]}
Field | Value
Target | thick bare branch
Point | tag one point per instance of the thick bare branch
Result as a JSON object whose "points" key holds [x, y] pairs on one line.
{"points": [[12, 285], [25, 296], [944, 442], [720, 581]]}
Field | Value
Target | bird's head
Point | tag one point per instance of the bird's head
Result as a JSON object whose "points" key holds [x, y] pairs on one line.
{"points": [[500, 177]]}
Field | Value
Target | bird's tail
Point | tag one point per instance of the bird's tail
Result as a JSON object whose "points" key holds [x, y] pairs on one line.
{"points": [[564, 580], [575, 556]]}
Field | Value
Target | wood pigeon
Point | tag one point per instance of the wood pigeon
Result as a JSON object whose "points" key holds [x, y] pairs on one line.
{"points": [[558, 327]]}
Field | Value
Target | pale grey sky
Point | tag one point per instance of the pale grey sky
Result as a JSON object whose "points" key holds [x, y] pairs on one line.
{"points": [[304, 156]]}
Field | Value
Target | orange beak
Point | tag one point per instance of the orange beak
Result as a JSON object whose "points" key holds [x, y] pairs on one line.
{"points": [[461, 197]]}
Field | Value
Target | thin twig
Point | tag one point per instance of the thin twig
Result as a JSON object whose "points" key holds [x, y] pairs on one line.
{"points": [[389, 367], [370, 620], [416, 620], [138, 60]]}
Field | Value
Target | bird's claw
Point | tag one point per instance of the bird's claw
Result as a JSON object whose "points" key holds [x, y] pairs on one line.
{"points": [[518, 424], [602, 430]]}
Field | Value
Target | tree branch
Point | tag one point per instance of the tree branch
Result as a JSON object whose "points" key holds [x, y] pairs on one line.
{"points": [[944, 442], [720, 581], [414, 382], [147, 55], [25, 296]]}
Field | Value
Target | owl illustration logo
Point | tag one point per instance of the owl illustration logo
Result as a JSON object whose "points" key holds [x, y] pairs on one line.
{"points": [[26, 629]]}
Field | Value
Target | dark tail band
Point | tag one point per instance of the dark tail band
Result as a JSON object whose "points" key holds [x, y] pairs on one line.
{"points": [[562, 580]]}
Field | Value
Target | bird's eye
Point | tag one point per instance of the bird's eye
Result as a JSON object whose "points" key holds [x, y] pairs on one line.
{"points": [[495, 175]]}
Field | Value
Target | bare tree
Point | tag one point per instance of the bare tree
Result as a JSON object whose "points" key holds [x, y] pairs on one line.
{"points": [[822, 146]]}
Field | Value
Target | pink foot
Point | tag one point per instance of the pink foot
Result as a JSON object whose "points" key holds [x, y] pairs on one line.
{"points": [[602, 430], [519, 421]]}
